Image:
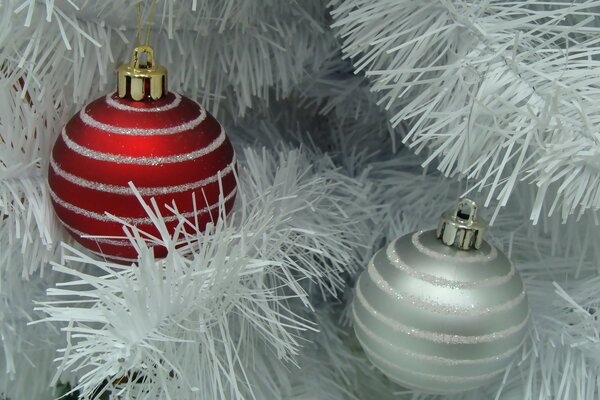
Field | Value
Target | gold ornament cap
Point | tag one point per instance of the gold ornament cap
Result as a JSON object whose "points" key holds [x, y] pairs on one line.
{"points": [[459, 227], [142, 78]]}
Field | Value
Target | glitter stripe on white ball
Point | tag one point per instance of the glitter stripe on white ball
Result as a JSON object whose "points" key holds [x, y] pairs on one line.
{"points": [[434, 377], [120, 159], [425, 357], [413, 386], [436, 307], [186, 126], [435, 336], [398, 263], [424, 389], [144, 191], [124, 107], [135, 221], [464, 256]]}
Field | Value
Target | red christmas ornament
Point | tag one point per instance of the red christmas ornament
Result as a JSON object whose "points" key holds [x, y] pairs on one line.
{"points": [[170, 147]]}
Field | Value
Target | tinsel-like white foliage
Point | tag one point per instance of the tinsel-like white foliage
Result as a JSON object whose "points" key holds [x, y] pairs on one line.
{"points": [[497, 91], [216, 314], [256, 307], [214, 50]]}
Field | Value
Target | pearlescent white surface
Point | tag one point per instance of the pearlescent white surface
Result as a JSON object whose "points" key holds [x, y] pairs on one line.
{"points": [[437, 319]]}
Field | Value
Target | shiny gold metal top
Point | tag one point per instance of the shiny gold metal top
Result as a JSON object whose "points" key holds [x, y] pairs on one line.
{"points": [[460, 227], [142, 78]]}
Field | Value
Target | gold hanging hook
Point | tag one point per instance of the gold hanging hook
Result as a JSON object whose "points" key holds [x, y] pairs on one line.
{"points": [[142, 78]]}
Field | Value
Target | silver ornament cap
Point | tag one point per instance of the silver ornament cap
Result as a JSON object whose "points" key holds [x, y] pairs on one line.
{"points": [[460, 226]]}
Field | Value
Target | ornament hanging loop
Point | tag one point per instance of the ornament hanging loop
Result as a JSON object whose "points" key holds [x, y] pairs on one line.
{"points": [[149, 21], [460, 226]]}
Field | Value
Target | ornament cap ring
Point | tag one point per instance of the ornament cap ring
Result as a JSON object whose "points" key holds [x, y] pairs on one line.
{"points": [[142, 78], [460, 227]]}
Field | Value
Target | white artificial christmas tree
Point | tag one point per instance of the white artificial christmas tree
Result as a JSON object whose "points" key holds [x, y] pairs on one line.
{"points": [[354, 122]]}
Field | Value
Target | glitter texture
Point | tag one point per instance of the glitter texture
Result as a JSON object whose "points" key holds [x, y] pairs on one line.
{"points": [[464, 256], [114, 242], [186, 126], [123, 259], [437, 307], [437, 337], [425, 357], [134, 221], [120, 159], [144, 191], [124, 107], [397, 262], [434, 377]]}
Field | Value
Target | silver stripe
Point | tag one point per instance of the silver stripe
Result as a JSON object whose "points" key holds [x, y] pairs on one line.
{"points": [[429, 358], [437, 337], [465, 256], [144, 191], [132, 260], [186, 126], [434, 306], [134, 221], [123, 243], [397, 262], [124, 107], [434, 377], [120, 159]]}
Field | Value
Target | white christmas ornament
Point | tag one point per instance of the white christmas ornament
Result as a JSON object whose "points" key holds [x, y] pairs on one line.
{"points": [[441, 311]]}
